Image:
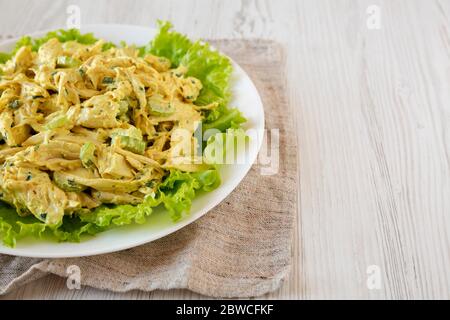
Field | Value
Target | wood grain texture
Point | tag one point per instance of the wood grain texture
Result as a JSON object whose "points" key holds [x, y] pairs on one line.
{"points": [[373, 121]]}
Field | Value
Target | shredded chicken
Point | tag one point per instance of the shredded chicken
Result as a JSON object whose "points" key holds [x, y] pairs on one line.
{"points": [[80, 127]]}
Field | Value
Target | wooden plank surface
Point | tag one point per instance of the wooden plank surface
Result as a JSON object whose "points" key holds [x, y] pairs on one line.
{"points": [[371, 101]]}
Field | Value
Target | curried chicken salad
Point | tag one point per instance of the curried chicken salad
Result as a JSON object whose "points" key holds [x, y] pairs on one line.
{"points": [[94, 135]]}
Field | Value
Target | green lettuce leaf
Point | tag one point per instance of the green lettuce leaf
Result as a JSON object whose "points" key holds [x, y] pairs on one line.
{"points": [[212, 69], [4, 57], [179, 189], [119, 215], [222, 144], [14, 227], [225, 118], [202, 62], [169, 44]]}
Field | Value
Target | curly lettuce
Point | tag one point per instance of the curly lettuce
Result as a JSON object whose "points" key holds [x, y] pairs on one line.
{"points": [[169, 44], [4, 57]]}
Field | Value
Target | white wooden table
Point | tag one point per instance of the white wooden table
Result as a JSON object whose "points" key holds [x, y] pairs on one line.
{"points": [[372, 104]]}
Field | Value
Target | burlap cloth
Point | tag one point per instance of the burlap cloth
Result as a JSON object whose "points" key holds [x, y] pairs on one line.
{"points": [[242, 248]]}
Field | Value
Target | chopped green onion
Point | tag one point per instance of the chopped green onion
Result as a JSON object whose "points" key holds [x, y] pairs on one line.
{"points": [[14, 104], [67, 62], [108, 80], [57, 122], [87, 154]]}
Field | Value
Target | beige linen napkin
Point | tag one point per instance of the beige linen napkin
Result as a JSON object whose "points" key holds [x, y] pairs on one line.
{"points": [[242, 248]]}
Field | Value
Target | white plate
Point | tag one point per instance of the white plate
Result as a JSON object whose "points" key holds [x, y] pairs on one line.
{"points": [[159, 224]]}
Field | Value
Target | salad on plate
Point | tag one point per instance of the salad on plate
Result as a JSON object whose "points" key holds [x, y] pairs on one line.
{"points": [[93, 135]]}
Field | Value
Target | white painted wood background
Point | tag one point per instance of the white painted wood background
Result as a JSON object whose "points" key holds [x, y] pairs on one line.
{"points": [[373, 117]]}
